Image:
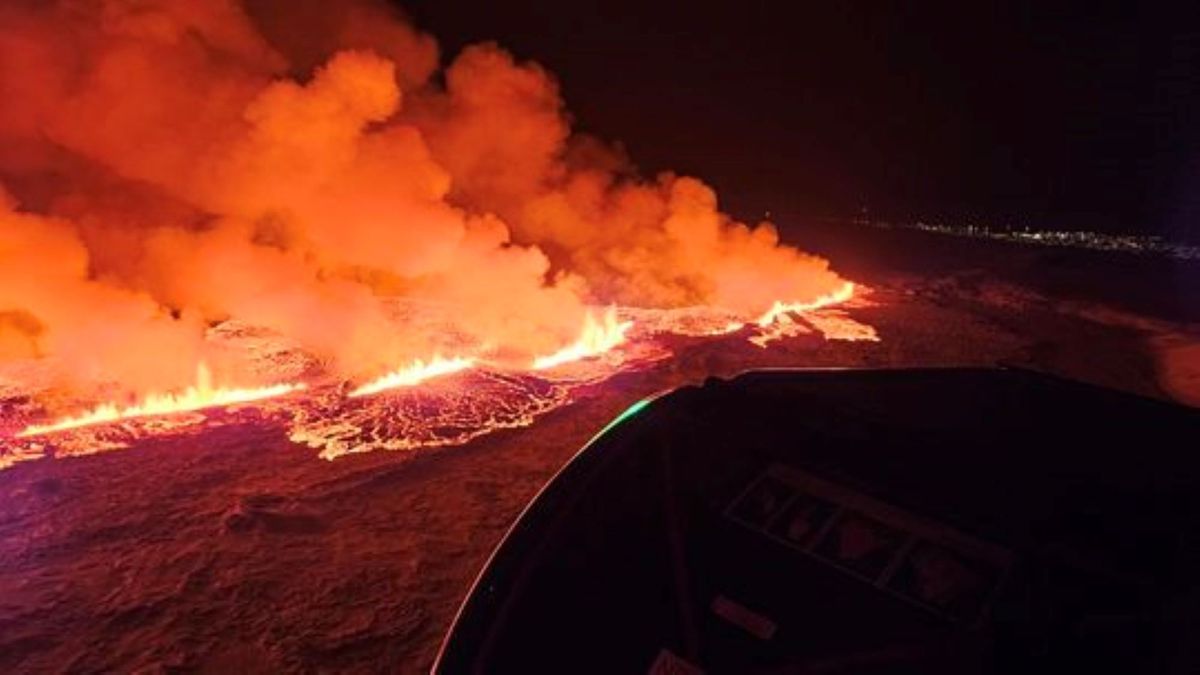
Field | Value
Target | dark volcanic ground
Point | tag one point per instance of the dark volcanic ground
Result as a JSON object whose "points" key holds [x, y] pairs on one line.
{"points": [[239, 551]]}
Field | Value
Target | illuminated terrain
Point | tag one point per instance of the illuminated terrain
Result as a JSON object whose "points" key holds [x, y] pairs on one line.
{"points": [[212, 540], [298, 309], [441, 401]]}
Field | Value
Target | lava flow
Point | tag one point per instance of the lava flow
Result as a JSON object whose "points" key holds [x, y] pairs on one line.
{"points": [[598, 337], [779, 309], [419, 371], [197, 397], [341, 204]]}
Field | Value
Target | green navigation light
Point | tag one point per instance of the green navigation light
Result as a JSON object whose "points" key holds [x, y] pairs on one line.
{"points": [[629, 412]]}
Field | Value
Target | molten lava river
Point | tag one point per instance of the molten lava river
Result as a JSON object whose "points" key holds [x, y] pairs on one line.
{"points": [[444, 400]]}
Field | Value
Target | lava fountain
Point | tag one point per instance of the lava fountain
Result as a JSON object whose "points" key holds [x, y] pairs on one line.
{"points": [[197, 397], [597, 338], [353, 208], [414, 374]]}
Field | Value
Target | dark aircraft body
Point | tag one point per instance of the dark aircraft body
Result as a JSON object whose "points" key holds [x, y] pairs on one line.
{"points": [[901, 521]]}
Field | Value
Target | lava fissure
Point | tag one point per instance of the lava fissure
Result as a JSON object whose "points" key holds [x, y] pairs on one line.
{"points": [[339, 201]]}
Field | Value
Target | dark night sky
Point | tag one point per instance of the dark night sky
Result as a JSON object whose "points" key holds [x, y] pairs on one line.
{"points": [[1075, 117]]}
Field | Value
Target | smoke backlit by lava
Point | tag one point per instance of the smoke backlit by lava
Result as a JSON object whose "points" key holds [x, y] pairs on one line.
{"points": [[169, 166]]}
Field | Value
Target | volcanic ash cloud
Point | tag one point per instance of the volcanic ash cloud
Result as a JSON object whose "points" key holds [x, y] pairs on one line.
{"points": [[294, 165]]}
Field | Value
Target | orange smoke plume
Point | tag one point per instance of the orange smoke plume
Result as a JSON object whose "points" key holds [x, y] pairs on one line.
{"points": [[171, 164]]}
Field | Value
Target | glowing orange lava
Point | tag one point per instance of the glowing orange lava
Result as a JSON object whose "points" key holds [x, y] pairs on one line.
{"points": [[782, 308], [597, 338], [601, 333], [200, 395], [781, 320], [413, 374]]}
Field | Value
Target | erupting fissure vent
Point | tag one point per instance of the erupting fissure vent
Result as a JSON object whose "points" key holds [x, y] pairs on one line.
{"points": [[202, 395], [299, 187]]}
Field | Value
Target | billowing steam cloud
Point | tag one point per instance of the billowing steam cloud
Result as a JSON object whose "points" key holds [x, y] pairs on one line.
{"points": [[167, 164]]}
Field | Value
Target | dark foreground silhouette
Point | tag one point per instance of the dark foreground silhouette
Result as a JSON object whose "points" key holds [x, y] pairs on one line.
{"points": [[966, 520]]}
